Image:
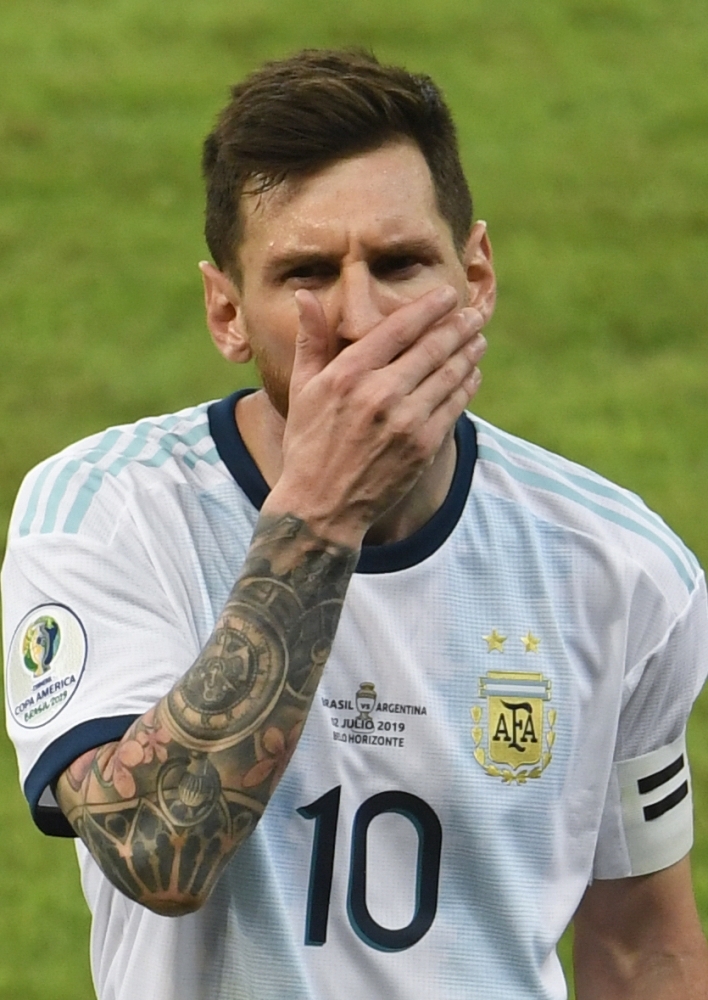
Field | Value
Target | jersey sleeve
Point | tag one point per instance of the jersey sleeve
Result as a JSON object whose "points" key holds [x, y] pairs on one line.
{"points": [[647, 823], [93, 638]]}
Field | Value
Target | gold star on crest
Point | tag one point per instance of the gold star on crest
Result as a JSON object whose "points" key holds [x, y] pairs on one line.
{"points": [[531, 642], [494, 641]]}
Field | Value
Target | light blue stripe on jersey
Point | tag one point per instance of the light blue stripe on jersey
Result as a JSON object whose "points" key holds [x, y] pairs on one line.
{"points": [[58, 491], [33, 503], [93, 482], [211, 457], [164, 450], [62, 481], [139, 442], [593, 484], [561, 489], [105, 443]]}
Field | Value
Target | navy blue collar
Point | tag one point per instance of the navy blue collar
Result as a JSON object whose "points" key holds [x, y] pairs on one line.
{"points": [[374, 558]]}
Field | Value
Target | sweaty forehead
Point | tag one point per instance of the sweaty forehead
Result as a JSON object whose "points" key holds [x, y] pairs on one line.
{"points": [[384, 195]]}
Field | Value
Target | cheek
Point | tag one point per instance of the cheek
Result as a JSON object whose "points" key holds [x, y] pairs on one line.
{"points": [[271, 330]]}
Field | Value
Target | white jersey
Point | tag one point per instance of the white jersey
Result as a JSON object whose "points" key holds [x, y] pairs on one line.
{"points": [[501, 719]]}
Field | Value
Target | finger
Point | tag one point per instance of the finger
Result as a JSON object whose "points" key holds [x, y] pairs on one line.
{"points": [[449, 378], [434, 349], [452, 380], [444, 418], [313, 348], [397, 332]]}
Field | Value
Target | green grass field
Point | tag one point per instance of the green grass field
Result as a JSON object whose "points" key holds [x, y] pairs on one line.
{"points": [[583, 128]]}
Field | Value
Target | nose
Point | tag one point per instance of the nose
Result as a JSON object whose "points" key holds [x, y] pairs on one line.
{"points": [[362, 302]]}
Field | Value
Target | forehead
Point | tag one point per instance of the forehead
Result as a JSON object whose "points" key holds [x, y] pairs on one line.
{"points": [[369, 198]]}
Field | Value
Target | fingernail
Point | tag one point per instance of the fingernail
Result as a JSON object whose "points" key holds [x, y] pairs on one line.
{"points": [[447, 295], [471, 318], [475, 351]]}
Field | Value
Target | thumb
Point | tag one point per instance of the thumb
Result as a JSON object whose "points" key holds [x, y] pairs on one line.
{"points": [[312, 344]]}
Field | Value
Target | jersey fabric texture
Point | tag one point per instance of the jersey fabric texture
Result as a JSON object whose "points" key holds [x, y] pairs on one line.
{"points": [[501, 719]]}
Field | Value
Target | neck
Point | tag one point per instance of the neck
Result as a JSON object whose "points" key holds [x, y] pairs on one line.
{"points": [[261, 428]]}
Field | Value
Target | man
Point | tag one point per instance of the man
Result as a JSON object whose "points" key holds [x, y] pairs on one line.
{"points": [[443, 706]]}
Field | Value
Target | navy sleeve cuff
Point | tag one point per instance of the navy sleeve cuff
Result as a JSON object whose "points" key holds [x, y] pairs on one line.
{"points": [[55, 760]]}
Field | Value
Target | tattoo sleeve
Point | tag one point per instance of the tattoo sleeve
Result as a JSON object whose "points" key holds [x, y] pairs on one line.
{"points": [[164, 809]]}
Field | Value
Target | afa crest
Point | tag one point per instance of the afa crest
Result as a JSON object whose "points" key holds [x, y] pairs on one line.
{"points": [[514, 737]]}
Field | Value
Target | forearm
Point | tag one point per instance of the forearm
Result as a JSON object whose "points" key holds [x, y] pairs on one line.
{"points": [[610, 974], [640, 939], [164, 809]]}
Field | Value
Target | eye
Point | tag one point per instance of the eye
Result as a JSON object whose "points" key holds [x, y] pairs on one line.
{"points": [[309, 274], [398, 266]]}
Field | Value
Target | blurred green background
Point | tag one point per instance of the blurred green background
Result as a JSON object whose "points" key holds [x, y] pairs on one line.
{"points": [[584, 129]]}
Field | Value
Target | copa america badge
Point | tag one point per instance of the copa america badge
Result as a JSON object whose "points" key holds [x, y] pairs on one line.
{"points": [[45, 663]]}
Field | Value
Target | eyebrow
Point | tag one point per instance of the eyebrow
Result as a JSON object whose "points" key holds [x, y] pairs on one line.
{"points": [[403, 247]]}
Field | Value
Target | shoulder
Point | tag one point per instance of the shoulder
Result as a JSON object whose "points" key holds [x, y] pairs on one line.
{"points": [[110, 467], [590, 509]]}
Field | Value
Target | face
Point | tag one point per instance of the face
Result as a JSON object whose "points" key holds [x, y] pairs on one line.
{"points": [[363, 235]]}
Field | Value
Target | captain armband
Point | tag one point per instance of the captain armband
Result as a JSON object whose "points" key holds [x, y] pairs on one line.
{"points": [[657, 809]]}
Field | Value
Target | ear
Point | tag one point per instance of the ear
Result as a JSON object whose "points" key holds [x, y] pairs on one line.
{"points": [[224, 315], [479, 270]]}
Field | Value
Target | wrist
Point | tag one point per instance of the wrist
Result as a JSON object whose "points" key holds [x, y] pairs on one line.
{"points": [[324, 522]]}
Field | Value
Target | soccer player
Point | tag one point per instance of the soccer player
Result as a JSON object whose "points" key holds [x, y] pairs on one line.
{"points": [[347, 693]]}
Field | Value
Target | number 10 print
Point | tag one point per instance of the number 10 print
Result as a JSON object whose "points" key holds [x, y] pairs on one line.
{"points": [[325, 812]]}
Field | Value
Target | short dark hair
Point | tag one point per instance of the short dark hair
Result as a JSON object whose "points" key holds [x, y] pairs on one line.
{"points": [[293, 117]]}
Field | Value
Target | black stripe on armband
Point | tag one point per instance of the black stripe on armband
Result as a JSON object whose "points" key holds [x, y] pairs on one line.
{"points": [[653, 781], [663, 805]]}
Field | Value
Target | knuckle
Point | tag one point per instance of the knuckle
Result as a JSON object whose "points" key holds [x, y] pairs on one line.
{"points": [[378, 404], [402, 425], [435, 351], [342, 378], [451, 373]]}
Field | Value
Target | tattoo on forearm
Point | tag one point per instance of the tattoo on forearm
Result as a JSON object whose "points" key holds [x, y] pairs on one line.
{"points": [[163, 810]]}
